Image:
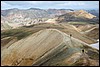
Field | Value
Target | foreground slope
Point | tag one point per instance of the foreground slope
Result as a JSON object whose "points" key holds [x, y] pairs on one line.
{"points": [[49, 47], [23, 32]]}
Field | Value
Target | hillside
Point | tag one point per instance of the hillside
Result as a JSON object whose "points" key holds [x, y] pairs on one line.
{"points": [[4, 24], [49, 47], [94, 12], [90, 30], [25, 31], [77, 16], [94, 33]]}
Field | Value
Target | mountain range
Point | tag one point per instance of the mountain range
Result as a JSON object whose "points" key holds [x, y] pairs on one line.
{"points": [[21, 17]]}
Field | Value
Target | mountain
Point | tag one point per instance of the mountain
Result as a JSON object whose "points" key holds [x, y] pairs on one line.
{"points": [[49, 47], [77, 16], [34, 9], [26, 17], [30, 16], [57, 12], [31, 13], [94, 12]]}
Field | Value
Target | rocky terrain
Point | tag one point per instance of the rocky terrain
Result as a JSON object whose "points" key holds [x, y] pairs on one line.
{"points": [[49, 47]]}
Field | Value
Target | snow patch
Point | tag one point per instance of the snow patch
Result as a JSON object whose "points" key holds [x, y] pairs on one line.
{"points": [[95, 45]]}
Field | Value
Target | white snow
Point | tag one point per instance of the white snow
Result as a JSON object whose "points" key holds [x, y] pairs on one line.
{"points": [[95, 45]]}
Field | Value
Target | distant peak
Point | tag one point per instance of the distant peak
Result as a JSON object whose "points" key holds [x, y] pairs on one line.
{"points": [[34, 9], [82, 11], [15, 8]]}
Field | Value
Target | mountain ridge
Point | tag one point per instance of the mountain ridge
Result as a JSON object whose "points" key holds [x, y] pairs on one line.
{"points": [[24, 17], [43, 46]]}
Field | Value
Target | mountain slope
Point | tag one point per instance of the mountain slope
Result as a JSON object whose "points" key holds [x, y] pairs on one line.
{"points": [[4, 24], [23, 17], [46, 47], [94, 33], [26, 17], [77, 16], [90, 30], [22, 32], [94, 12]]}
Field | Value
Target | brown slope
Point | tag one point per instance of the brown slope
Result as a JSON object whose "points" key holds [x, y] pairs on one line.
{"points": [[82, 13], [70, 29], [40, 47], [89, 30], [93, 33], [66, 28]]}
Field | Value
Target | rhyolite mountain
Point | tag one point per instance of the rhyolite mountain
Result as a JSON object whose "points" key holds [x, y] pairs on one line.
{"points": [[20, 17], [94, 12], [77, 16], [23, 17]]}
